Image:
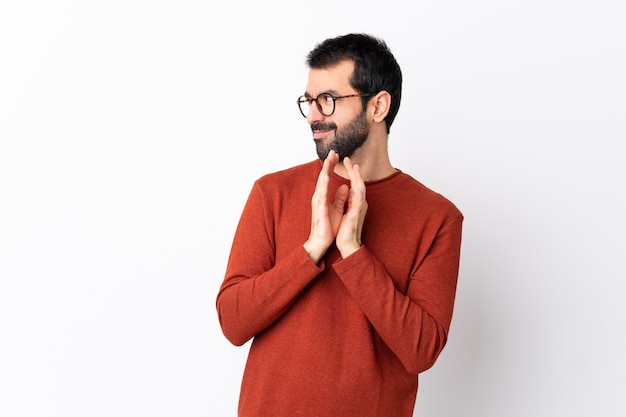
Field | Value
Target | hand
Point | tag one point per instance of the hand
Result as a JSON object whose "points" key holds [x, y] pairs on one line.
{"points": [[325, 217], [348, 237], [329, 223]]}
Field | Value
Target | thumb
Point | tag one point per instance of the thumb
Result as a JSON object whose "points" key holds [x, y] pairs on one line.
{"points": [[341, 196]]}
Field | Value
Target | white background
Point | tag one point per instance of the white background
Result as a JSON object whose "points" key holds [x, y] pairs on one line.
{"points": [[131, 132]]}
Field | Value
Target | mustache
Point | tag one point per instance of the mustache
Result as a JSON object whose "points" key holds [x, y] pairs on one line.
{"points": [[323, 126]]}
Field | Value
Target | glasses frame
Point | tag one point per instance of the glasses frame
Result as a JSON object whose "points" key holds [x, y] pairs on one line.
{"points": [[306, 99]]}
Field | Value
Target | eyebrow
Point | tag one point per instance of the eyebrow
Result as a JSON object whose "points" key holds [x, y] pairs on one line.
{"points": [[331, 92]]}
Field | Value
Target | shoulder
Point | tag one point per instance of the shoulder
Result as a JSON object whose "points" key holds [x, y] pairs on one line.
{"points": [[423, 198]]}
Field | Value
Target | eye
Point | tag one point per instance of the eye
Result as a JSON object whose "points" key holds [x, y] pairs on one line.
{"points": [[326, 98]]}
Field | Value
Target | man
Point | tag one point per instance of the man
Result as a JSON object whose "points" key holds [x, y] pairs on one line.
{"points": [[344, 269]]}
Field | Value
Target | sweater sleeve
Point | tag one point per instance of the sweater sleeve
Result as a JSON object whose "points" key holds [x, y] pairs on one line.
{"points": [[415, 324], [256, 291]]}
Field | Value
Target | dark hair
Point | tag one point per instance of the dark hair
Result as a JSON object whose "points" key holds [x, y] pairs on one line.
{"points": [[375, 68]]}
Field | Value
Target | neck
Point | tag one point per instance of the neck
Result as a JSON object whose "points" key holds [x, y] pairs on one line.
{"points": [[373, 161]]}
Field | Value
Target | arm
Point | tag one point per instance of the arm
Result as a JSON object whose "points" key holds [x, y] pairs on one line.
{"points": [[414, 325], [256, 291]]}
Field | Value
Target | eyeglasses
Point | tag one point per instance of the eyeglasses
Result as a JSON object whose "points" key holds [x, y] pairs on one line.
{"points": [[325, 103]]}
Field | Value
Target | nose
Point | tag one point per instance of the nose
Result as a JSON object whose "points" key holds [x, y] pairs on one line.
{"points": [[314, 114]]}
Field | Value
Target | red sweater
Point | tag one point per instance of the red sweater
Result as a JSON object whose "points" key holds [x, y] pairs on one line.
{"points": [[347, 337]]}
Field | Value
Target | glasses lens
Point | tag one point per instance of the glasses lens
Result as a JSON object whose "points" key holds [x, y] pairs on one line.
{"points": [[304, 105], [326, 104]]}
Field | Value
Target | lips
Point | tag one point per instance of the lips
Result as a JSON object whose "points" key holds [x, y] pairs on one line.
{"points": [[320, 134], [322, 129]]}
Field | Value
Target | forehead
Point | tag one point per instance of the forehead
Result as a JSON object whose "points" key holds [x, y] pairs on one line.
{"points": [[332, 79]]}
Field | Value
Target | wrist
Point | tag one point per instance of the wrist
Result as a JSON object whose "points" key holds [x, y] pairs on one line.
{"points": [[314, 251], [348, 250]]}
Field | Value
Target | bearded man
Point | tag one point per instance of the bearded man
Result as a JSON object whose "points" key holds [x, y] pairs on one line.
{"points": [[342, 270]]}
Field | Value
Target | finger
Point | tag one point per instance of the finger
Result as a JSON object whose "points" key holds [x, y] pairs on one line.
{"points": [[358, 180], [330, 162], [357, 185], [357, 204], [323, 179], [347, 162]]}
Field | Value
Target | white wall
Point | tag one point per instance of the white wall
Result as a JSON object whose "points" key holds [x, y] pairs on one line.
{"points": [[131, 132]]}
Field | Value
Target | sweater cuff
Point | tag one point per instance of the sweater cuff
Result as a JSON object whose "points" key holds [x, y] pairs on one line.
{"points": [[344, 264], [308, 263]]}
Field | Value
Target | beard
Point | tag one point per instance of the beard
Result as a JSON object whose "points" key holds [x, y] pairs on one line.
{"points": [[347, 139]]}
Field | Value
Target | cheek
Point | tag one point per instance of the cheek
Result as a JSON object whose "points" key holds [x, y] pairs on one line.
{"points": [[343, 122]]}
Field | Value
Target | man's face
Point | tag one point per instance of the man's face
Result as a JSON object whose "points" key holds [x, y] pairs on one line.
{"points": [[346, 129]]}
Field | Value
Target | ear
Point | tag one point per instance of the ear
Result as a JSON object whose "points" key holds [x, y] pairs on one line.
{"points": [[381, 103]]}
